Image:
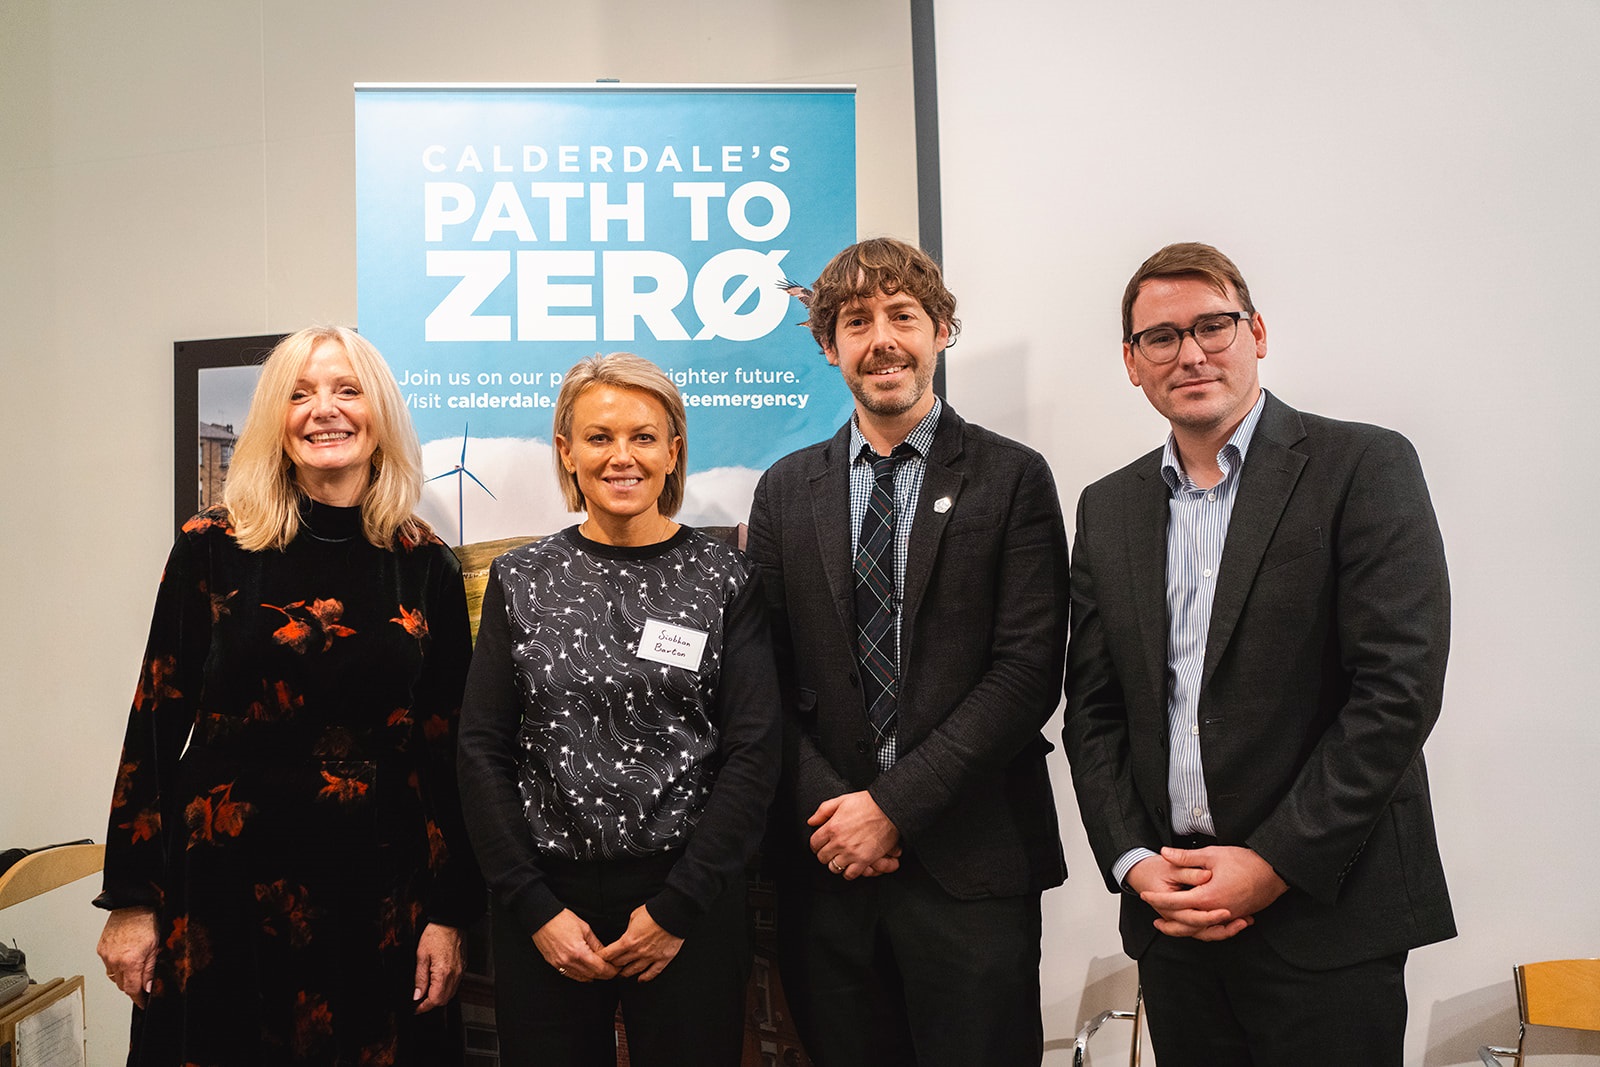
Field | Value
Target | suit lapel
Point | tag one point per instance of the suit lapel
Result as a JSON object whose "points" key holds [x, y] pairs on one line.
{"points": [[1271, 470], [830, 510], [1146, 523], [941, 480]]}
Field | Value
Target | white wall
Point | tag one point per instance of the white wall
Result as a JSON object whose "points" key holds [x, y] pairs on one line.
{"points": [[179, 169], [1409, 187]]}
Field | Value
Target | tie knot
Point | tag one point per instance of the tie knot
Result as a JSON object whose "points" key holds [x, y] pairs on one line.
{"points": [[885, 466]]}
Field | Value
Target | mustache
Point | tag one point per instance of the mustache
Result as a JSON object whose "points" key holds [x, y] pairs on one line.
{"points": [[877, 363]]}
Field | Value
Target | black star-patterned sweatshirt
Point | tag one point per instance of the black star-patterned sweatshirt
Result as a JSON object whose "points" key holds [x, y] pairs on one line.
{"points": [[622, 702]]}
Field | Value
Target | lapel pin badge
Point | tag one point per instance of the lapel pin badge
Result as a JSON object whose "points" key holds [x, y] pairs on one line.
{"points": [[941, 505]]}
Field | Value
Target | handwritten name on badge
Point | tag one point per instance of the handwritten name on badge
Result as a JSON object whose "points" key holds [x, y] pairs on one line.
{"points": [[676, 646]]}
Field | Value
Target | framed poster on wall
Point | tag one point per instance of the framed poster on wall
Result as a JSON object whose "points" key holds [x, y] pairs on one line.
{"points": [[212, 382]]}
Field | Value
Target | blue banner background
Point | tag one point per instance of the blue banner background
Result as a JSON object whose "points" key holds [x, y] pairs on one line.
{"points": [[460, 240]]}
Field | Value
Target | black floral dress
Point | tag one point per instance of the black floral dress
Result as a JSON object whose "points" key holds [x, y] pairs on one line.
{"points": [[287, 797]]}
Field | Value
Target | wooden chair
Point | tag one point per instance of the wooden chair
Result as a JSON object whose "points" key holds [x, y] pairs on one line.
{"points": [[1080, 1046], [42, 871], [1564, 993]]}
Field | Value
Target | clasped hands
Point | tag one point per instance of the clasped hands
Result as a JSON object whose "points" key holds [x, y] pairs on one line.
{"points": [[854, 838], [570, 946], [1209, 894]]}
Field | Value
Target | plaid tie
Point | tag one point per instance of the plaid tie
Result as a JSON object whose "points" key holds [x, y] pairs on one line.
{"points": [[877, 642]]}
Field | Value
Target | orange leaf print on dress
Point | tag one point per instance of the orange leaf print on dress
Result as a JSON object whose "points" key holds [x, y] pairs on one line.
{"points": [[381, 1054], [327, 613], [143, 826], [189, 949], [155, 683], [219, 601], [413, 621], [438, 851], [216, 815], [278, 704], [307, 620], [290, 914], [313, 1022], [119, 796], [207, 519], [342, 789]]}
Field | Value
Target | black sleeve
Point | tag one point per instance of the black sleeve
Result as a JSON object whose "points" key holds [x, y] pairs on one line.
{"points": [[491, 718], [145, 810]]}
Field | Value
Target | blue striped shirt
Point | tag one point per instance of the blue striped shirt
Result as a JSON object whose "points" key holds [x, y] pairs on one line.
{"points": [[1197, 530], [907, 488]]}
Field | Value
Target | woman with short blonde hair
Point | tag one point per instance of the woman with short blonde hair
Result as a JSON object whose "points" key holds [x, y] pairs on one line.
{"points": [[619, 747], [623, 370]]}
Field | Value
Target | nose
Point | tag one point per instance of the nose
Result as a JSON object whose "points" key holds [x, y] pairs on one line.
{"points": [[882, 335], [322, 404], [1189, 350]]}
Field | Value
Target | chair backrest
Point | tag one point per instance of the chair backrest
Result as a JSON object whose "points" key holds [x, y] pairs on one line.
{"points": [[42, 871], [1560, 993]]}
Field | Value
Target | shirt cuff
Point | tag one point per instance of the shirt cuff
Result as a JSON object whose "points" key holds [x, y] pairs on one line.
{"points": [[1119, 871]]}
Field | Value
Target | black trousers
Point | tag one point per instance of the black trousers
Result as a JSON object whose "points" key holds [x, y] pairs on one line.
{"points": [[691, 1014], [1237, 1003], [894, 972]]}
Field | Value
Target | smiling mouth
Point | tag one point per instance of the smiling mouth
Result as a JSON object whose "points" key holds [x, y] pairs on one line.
{"points": [[623, 483], [329, 438], [884, 372]]}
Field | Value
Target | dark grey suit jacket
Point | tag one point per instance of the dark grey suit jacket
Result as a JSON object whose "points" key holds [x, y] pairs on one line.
{"points": [[981, 651], [1323, 675]]}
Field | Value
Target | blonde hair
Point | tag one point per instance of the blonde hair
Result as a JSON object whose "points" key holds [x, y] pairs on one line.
{"points": [[261, 494], [624, 370]]}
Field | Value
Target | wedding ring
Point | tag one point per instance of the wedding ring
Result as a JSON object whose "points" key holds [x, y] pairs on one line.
{"points": [[561, 970]]}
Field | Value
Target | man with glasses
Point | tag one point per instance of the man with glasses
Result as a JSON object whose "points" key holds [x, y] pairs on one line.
{"points": [[1260, 622]]}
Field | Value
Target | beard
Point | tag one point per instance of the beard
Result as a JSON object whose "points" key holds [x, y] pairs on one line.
{"points": [[896, 401]]}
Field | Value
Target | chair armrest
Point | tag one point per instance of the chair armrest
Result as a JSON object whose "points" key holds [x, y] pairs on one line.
{"points": [[1080, 1046], [1490, 1054]]}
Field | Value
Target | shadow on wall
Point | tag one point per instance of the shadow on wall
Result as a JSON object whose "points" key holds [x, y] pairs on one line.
{"points": [[1459, 1026], [1111, 983]]}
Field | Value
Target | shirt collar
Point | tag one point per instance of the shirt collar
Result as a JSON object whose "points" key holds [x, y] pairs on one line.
{"points": [[1229, 458], [919, 440]]}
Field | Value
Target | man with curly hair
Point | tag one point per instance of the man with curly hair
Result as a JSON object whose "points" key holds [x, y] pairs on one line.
{"points": [[916, 565]]}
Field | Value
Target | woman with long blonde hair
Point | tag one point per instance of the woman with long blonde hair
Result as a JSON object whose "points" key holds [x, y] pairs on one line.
{"points": [[286, 869]]}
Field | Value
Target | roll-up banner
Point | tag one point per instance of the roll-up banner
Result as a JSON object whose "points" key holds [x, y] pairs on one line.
{"points": [[504, 232]]}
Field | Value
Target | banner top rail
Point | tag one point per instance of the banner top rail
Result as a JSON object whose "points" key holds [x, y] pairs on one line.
{"points": [[613, 87]]}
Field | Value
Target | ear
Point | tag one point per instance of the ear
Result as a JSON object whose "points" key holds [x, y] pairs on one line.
{"points": [[673, 453], [1129, 362], [565, 449], [1258, 328], [832, 353], [941, 338]]}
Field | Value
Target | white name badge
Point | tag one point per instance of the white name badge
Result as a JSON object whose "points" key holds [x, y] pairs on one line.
{"points": [[676, 646]]}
